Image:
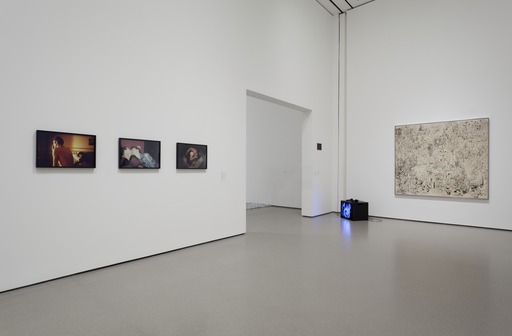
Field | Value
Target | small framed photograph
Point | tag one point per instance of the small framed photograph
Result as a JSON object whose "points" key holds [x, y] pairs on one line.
{"points": [[139, 154], [65, 150], [191, 156]]}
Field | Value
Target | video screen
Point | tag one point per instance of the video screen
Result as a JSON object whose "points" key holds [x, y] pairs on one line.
{"points": [[346, 209]]}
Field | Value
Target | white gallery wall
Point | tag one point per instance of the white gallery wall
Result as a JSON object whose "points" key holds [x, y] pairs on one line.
{"points": [[288, 56], [168, 71], [411, 62], [274, 153]]}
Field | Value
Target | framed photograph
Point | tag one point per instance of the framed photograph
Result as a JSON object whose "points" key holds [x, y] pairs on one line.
{"points": [[139, 154], [191, 156], [445, 159], [65, 150]]}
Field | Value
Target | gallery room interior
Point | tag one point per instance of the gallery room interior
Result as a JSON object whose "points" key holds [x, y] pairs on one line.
{"points": [[297, 104]]}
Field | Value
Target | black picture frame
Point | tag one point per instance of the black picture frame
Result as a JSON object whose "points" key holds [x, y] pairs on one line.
{"points": [[139, 154], [56, 149], [191, 156]]}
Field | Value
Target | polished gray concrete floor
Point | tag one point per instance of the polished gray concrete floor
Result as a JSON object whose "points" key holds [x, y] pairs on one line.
{"points": [[289, 276]]}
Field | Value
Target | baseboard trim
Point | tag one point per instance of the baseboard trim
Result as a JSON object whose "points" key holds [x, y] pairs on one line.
{"points": [[441, 223], [117, 264], [284, 207], [322, 214], [437, 223]]}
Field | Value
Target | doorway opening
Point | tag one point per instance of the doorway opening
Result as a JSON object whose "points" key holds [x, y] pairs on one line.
{"points": [[275, 133]]}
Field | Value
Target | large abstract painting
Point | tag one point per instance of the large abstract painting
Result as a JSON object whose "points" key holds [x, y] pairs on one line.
{"points": [[445, 159]]}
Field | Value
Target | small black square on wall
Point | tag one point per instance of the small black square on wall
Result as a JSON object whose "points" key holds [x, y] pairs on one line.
{"points": [[319, 146]]}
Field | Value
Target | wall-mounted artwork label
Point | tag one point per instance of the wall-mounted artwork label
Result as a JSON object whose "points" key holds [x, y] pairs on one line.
{"points": [[65, 150], [191, 156], [139, 154], [446, 159]]}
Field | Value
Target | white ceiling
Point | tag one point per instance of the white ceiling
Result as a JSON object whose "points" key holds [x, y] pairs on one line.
{"points": [[336, 7]]}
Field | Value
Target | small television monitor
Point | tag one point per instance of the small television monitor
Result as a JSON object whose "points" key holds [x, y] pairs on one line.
{"points": [[354, 210], [346, 210], [65, 150]]}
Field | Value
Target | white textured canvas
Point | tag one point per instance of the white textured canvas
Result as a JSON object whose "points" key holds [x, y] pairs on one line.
{"points": [[446, 159]]}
